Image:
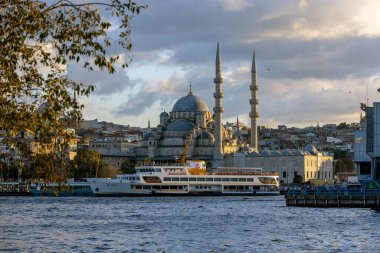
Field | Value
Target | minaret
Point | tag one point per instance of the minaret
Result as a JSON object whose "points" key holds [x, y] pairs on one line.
{"points": [[218, 109], [254, 114], [238, 127]]}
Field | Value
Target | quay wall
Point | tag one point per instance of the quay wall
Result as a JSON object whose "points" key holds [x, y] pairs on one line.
{"points": [[355, 201]]}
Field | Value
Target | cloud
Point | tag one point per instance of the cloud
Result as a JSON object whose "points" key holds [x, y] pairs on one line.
{"points": [[309, 54]]}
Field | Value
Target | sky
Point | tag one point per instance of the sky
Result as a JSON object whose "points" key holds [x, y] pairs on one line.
{"points": [[316, 61]]}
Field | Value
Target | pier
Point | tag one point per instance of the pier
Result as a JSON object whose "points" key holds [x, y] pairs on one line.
{"points": [[362, 198]]}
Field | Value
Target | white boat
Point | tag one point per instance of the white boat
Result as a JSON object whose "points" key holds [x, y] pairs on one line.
{"points": [[189, 179]]}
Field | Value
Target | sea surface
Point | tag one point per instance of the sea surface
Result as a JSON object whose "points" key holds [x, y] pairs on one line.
{"points": [[182, 224]]}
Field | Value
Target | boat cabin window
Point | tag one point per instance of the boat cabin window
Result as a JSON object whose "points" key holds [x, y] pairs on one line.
{"points": [[209, 179], [201, 179], [249, 179], [192, 179], [184, 179], [217, 179], [225, 179], [242, 180], [167, 179], [233, 179], [157, 170], [175, 178]]}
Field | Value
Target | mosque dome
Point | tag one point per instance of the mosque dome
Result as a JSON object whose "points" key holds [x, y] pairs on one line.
{"points": [[190, 103], [180, 125], [164, 114]]}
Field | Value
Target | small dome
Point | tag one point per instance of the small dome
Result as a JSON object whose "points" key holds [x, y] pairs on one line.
{"points": [[148, 136], [190, 103], [205, 136], [180, 125], [164, 114], [312, 150]]}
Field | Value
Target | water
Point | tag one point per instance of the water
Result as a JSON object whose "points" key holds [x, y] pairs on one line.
{"points": [[182, 224]]}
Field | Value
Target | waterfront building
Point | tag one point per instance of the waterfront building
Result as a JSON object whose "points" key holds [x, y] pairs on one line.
{"points": [[308, 163], [114, 150], [372, 135], [361, 158]]}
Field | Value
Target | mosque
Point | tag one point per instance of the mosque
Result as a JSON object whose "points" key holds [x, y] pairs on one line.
{"points": [[192, 128]]}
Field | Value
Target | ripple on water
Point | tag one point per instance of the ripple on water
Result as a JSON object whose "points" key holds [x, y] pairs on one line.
{"points": [[207, 224]]}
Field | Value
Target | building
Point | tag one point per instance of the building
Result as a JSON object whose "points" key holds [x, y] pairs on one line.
{"points": [[309, 163], [372, 137], [361, 158]]}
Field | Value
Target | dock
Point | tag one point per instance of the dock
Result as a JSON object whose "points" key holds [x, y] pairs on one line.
{"points": [[334, 198]]}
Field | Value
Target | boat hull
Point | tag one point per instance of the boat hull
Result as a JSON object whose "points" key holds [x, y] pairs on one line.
{"points": [[119, 189]]}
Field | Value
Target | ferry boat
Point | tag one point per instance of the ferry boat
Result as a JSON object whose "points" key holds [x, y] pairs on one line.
{"points": [[189, 179]]}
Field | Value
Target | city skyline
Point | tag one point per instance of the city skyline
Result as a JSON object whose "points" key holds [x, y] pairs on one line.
{"points": [[315, 61]]}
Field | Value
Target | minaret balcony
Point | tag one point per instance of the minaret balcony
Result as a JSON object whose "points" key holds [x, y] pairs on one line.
{"points": [[218, 79], [253, 115], [254, 87], [218, 95], [218, 109], [254, 101]]}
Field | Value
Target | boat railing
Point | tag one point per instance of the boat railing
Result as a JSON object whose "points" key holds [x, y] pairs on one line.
{"points": [[176, 173], [247, 173]]}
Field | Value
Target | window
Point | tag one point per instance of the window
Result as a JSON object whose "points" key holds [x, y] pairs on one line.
{"points": [[184, 179], [284, 174], [209, 179], [233, 179], [192, 179], [201, 179], [242, 180], [167, 179], [217, 179], [225, 179], [175, 178], [249, 179]]}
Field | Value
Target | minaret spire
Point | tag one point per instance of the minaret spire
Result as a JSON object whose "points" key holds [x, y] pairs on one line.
{"points": [[254, 67], [190, 92], [254, 102], [218, 109]]}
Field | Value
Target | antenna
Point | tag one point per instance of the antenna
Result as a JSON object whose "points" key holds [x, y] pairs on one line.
{"points": [[366, 97]]}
